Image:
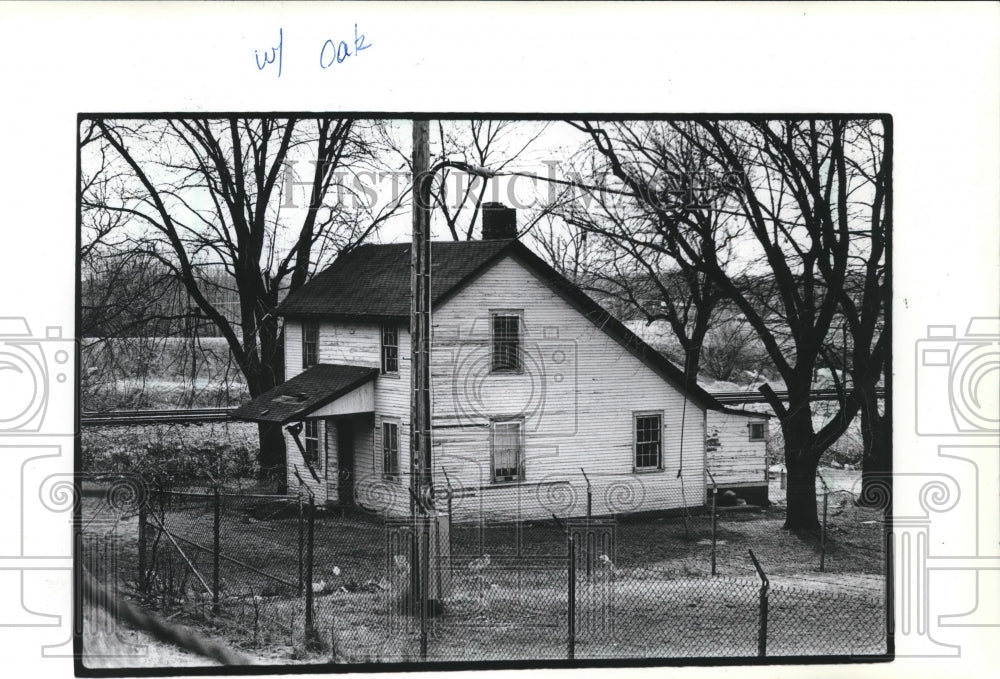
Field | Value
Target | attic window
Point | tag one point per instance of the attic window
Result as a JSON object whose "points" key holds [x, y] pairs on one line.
{"points": [[756, 431], [506, 342]]}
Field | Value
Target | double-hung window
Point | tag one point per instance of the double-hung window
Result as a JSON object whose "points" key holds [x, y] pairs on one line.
{"points": [[390, 349], [310, 441], [506, 342], [507, 449], [390, 449], [648, 441], [756, 431], [310, 344]]}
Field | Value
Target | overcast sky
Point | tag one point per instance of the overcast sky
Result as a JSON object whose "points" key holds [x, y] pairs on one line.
{"points": [[533, 147]]}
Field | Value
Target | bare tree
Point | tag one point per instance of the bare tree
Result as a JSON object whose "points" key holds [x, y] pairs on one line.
{"points": [[635, 258], [731, 348], [793, 197], [865, 354], [494, 145], [565, 247], [195, 195]]}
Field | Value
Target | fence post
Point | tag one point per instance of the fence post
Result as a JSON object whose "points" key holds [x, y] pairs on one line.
{"points": [[309, 568], [715, 520], [451, 567], [715, 516], [142, 545], [587, 547], [216, 548], [822, 537], [571, 595], [425, 565], [764, 586], [301, 542], [450, 497], [822, 533]]}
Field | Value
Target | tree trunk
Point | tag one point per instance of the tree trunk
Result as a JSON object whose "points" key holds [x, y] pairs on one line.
{"points": [[876, 461], [801, 511], [272, 456], [801, 461], [270, 373], [692, 361], [694, 346]]}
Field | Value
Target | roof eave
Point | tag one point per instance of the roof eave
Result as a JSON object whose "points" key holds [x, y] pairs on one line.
{"points": [[339, 316], [615, 328], [744, 413], [304, 412]]}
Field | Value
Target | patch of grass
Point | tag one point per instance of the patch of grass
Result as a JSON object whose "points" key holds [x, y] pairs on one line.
{"points": [[655, 599], [181, 453]]}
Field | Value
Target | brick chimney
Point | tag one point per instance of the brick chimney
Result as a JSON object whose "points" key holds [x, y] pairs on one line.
{"points": [[499, 221]]}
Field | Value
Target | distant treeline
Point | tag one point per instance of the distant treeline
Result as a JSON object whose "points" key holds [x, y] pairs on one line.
{"points": [[138, 296]]}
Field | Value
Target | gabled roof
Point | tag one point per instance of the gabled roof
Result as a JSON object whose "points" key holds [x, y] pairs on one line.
{"points": [[373, 281], [304, 393]]}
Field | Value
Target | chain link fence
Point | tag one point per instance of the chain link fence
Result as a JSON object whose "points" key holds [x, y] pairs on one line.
{"points": [[808, 622], [229, 562], [276, 575]]}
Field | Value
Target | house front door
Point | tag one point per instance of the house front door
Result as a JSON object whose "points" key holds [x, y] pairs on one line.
{"points": [[345, 461]]}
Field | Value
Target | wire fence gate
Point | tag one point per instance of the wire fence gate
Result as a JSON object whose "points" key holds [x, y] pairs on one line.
{"points": [[237, 560]]}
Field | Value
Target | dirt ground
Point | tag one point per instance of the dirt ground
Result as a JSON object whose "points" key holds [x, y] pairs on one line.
{"points": [[658, 597]]}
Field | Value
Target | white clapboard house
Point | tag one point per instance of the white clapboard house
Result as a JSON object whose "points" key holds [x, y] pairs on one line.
{"points": [[538, 393]]}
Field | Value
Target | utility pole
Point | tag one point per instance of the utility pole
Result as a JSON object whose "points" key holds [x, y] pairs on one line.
{"points": [[420, 402], [420, 321], [430, 534]]}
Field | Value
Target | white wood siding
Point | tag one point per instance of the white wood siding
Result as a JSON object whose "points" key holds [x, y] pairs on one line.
{"points": [[360, 400], [358, 344], [733, 458], [376, 493], [372, 492], [577, 394], [295, 462], [293, 348], [349, 343]]}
